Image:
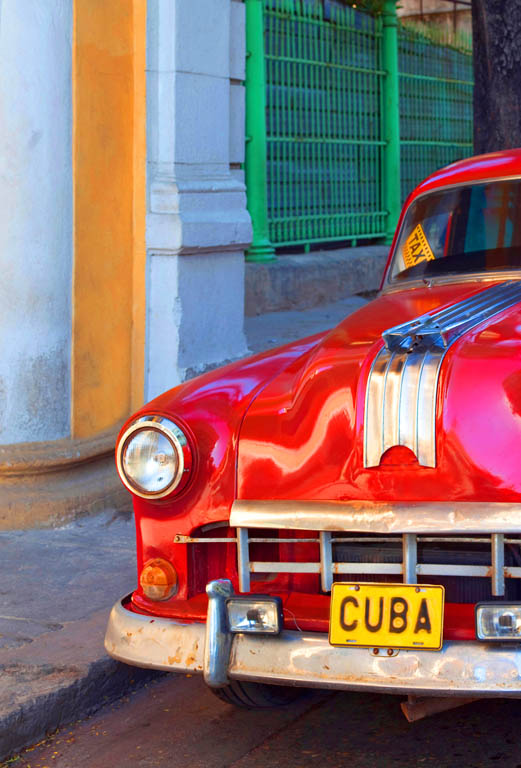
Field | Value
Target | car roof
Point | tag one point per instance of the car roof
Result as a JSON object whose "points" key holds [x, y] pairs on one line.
{"points": [[495, 165]]}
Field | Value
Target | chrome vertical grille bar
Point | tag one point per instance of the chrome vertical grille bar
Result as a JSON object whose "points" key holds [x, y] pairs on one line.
{"points": [[426, 409], [326, 561], [407, 416], [410, 558], [374, 410], [498, 564], [490, 525], [243, 559], [392, 399]]}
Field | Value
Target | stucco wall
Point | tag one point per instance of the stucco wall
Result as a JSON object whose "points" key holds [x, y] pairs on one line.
{"points": [[438, 12], [197, 223], [109, 202], [35, 219]]}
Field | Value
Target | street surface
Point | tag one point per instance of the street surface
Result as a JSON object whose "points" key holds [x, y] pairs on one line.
{"points": [[273, 329], [55, 576], [177, 722], [58, 585]]}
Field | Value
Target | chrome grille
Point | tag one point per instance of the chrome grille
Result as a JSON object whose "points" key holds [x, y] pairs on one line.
{"points": [[343, 555]]}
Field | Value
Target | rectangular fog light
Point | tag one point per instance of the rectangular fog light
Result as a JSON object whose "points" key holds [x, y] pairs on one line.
{"points": [[498, 621], [262, 615]]}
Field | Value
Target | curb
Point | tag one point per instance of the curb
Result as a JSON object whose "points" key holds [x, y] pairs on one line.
{"points": [[42, 689], [304, 281]]}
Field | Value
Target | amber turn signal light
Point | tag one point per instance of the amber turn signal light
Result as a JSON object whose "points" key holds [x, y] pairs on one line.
{"points": [[158, 579]]}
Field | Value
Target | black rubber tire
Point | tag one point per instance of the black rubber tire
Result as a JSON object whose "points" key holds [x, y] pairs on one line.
{"points": [[257, 695]]}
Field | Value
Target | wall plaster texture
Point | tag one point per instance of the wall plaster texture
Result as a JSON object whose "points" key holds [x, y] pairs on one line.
{"points": [[197, 222], [35, 219]]}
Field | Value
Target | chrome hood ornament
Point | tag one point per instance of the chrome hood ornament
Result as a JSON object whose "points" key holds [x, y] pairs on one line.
{"points": [[400, 401]]}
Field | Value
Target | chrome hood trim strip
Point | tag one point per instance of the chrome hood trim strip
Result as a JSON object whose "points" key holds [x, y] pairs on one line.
{"points": [[400, 402], [379, 516]]}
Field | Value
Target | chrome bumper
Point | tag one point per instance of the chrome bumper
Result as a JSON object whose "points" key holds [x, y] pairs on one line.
{"points": [[307, 659]]}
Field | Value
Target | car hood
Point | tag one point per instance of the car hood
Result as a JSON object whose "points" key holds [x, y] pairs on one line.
{"points": [[303, 436]]}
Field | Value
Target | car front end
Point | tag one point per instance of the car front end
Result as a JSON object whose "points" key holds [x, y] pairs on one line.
{"points": [[345, 512]]}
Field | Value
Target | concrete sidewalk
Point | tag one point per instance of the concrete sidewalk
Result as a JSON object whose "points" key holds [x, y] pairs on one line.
{"points": [[57, 586]]}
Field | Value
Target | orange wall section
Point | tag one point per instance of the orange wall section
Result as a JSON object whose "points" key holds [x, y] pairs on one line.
{"points": [[109, 161]]}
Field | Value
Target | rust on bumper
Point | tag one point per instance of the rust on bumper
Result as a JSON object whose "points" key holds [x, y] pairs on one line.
{"points": [[307, 659]]}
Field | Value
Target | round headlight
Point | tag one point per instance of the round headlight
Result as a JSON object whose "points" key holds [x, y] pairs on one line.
{"points": [[153, 457]]}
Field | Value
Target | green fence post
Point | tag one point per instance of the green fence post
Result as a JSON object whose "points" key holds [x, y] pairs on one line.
{"points": [[391, 118], [256, 144]]}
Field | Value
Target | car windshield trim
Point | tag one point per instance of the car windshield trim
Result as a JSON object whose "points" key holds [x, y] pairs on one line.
{"points": [[450, 278], [392, 284]]}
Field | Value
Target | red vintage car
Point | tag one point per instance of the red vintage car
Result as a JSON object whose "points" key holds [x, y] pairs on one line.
{"points": [[345, 511]]}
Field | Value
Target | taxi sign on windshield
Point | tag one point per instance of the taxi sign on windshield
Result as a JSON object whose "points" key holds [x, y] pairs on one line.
{"points": [[387, 615], [416, 248]]}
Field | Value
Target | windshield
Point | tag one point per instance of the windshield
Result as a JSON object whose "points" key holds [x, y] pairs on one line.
{"points": [[475, 228]]}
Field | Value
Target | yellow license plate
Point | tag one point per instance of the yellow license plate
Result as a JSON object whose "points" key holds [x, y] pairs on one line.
{"points": [[387, 615]]}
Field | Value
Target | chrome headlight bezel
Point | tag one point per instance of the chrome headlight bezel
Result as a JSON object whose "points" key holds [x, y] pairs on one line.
{"points": [[177, 439]]}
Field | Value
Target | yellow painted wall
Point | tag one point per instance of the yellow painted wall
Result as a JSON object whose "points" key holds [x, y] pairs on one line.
{"points": [[109, 160]]}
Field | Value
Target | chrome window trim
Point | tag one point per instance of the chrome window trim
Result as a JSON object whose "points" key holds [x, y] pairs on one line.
{"points": [[471, 277], [448, 187]]}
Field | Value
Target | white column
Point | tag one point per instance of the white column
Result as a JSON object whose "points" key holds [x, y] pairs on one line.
{"points": [[197, 223], [35, 219]]}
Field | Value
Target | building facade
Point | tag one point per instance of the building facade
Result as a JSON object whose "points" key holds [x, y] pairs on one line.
{"points": [[453, 16], [123, 227]]}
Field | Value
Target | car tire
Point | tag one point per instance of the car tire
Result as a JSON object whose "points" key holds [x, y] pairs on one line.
{"points": [[257, 695]]}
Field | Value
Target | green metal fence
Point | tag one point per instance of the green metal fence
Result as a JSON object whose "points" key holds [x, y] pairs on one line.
{"points": [[324, 131], [320, 133], [436, 83]]}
